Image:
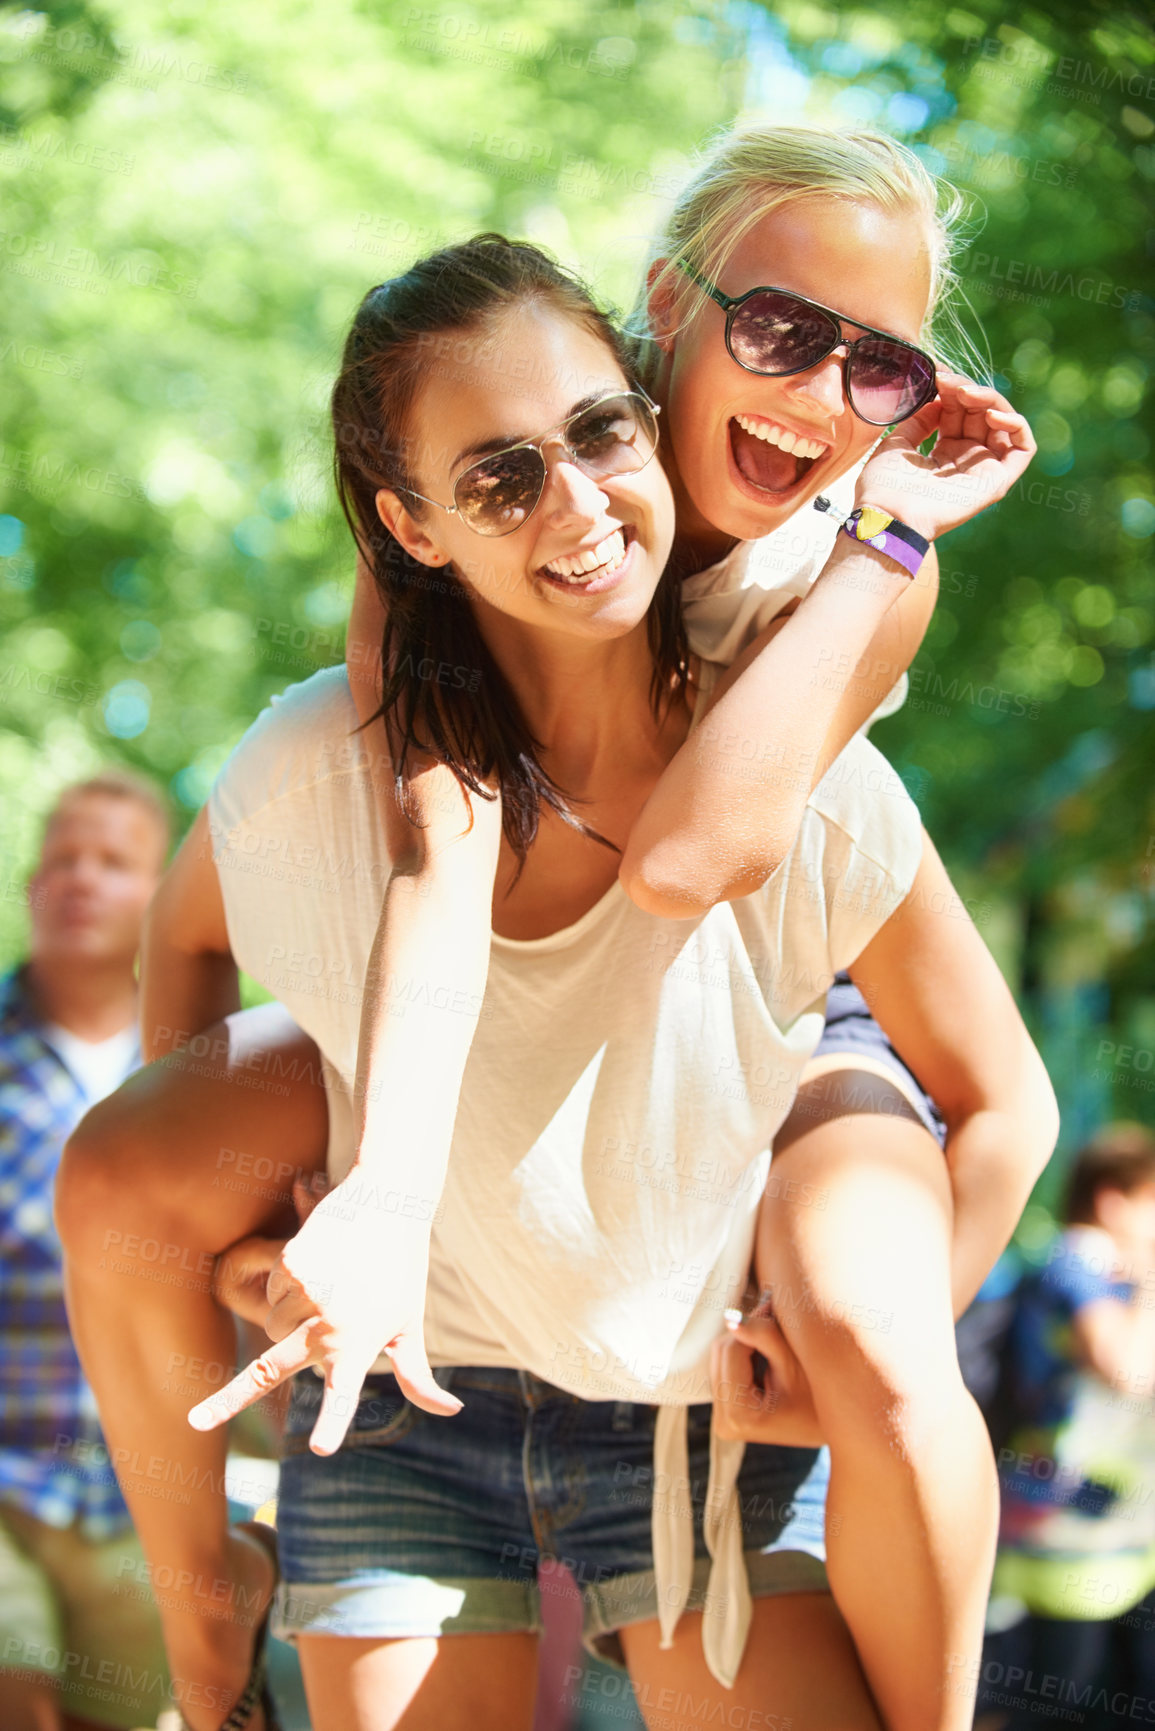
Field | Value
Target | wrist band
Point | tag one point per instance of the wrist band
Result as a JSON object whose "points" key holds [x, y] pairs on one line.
{"points": [[879, 529]]}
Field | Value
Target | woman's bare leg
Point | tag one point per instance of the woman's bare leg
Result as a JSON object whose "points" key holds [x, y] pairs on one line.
{"points": [[854, 1241], [192, 1153], [799, 1670], [459, 1683]]}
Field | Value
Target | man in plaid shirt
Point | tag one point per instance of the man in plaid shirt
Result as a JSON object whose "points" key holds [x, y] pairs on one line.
{"points": [[80, 1640]]}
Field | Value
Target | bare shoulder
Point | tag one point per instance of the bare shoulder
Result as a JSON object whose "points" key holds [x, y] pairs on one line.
{"points": [[436, 812]]}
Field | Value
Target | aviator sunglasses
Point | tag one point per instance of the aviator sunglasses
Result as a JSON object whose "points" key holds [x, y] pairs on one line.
{"points": [[775, 332], [616, 435]]}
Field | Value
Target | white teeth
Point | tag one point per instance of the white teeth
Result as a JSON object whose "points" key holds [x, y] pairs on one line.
{"points": [[786, 441], [577, 567]]}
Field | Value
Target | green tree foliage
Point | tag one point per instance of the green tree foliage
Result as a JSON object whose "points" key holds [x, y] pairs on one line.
{"points": [[181, 258], [195, 198]]}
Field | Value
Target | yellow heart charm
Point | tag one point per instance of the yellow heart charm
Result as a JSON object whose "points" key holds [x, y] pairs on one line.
{"points": [[872, 522]]}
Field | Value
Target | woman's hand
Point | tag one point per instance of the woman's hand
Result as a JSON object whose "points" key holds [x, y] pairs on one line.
{"points": [[349, 1286], [982, 448], [241, 1273], [782, 1410], [241, 1277]]}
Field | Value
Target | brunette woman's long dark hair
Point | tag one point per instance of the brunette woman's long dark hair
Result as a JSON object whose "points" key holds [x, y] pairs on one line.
{"points": [[469, 719]]}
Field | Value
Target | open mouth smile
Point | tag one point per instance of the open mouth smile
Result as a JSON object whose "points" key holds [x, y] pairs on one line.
{"points": [[771, 457]]}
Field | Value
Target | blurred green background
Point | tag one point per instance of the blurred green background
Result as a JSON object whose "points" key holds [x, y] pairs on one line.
{"points": [[196, 196]]}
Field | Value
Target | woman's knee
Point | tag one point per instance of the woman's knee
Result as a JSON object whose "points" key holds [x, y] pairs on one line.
{"points": [[869, 1376], [208, 1157], [147, 1156], [867, 1342], [101, 1167], [854, 1244]]}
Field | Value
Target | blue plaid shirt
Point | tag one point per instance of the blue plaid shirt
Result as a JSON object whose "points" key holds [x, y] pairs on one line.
{"points": [[54, 1463]]}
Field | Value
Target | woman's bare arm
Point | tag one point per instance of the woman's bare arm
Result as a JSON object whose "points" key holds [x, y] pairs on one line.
{"points": [[935, 989], [426, 979], [726, 810], [430, 958], [188, 977], [727, 807]]}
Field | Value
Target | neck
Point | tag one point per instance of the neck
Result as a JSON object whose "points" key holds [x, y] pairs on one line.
{"points": [[697, 542], [93, 1000], [586, 701]]}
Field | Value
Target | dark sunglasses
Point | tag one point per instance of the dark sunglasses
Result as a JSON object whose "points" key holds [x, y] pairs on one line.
{"points": [[775, 332], [617, 435]]}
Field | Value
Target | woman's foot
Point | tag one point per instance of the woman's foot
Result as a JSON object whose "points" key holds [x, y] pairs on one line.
{"points": [[212, 1632]]}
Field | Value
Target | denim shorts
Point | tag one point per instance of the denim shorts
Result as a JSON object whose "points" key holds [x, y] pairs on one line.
{"points": [[426, 1526], [852, 1031]]}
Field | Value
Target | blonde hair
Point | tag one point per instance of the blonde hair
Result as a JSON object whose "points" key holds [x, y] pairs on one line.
{"points": [[116, 784], [754, 170]]}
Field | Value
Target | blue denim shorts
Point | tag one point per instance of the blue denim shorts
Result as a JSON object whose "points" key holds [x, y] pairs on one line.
{"points": [[852, 1031], [426, 1526]]}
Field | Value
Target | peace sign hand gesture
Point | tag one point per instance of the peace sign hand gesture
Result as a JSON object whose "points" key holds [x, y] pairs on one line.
{"points": [[348, 1287]]}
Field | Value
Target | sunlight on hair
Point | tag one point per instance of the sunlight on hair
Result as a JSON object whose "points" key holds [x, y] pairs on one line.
{"points": [[753, 169]]}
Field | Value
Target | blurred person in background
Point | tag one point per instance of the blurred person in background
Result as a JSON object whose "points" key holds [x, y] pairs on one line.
{"points": [[1075, 1576], [74, 1650]]}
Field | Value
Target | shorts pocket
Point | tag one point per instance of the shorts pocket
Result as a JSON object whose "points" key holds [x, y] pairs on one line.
{"points": [[383, 1415]]}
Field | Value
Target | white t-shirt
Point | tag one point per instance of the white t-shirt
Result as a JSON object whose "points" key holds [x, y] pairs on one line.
{"points": [[98, 1065], [624, 1086]]}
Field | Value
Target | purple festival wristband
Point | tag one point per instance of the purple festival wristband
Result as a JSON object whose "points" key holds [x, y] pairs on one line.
{"points": [[879, 529]]}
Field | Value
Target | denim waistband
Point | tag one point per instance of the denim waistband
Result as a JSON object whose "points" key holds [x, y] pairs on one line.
{"points": [[524, 1386]]}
